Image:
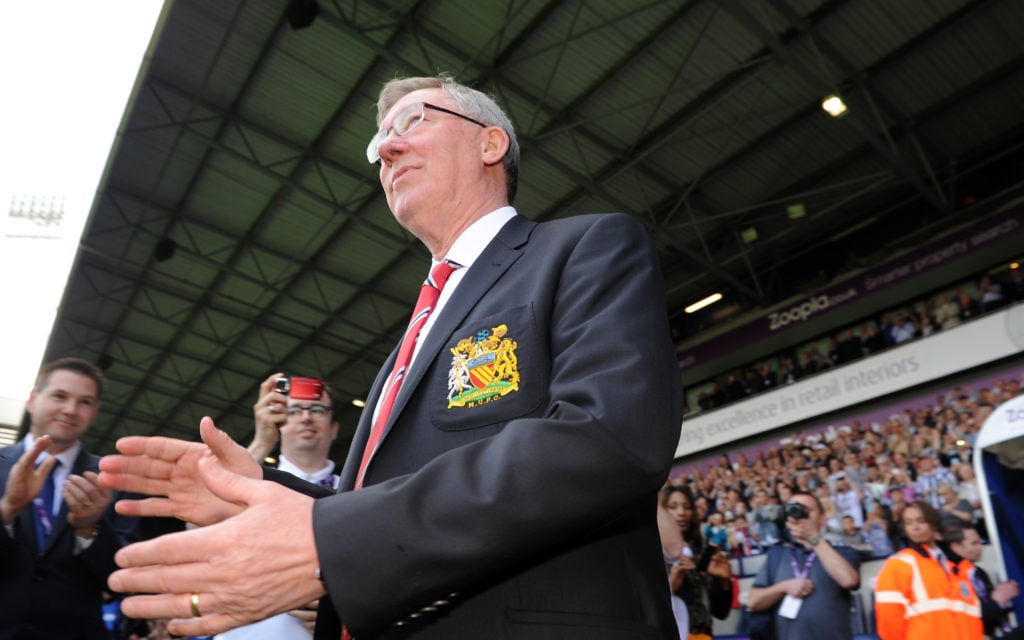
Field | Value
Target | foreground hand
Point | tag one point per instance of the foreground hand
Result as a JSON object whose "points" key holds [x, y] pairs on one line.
{"points": [[253, 565], [797, 587], [25, 481], [307, 615], [169, 469], [719, 565], [86, 500], [1005, 592]]}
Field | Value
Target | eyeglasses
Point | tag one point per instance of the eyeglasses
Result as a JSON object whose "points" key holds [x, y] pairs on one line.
{"points": [[407, 120], [317, 411]]}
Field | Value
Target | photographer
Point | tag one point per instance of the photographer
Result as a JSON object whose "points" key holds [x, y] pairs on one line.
{"points": [[298, 413], [805, 585]]}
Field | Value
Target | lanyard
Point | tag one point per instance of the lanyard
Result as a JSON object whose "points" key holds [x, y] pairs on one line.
{"points": [[797, 572]]}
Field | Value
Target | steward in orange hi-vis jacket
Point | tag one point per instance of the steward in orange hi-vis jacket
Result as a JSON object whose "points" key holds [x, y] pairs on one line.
{"points": [[919, 596]]}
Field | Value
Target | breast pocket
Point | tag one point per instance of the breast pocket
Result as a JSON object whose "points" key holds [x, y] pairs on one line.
{"points": [[498, 370]]}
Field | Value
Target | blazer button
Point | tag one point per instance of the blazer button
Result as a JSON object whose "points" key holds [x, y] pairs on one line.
{"points": [[428, 609]]}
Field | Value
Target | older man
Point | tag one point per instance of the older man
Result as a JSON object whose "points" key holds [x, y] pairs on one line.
{"points": [[60, 531], [502, 481]]}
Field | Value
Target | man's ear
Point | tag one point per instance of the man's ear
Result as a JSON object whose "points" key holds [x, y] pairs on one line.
{"points": [[495, 145]]}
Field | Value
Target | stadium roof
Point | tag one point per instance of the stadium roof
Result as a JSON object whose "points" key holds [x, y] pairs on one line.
{"points": [[239, 230]]}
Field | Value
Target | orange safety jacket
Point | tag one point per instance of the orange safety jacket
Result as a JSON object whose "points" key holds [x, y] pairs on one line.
{"points": [[916, 598]]}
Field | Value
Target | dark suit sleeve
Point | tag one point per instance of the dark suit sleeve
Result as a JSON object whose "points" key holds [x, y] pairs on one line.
{"points": [[600, 443], [116, 531], [991, 613], [295, 483]]}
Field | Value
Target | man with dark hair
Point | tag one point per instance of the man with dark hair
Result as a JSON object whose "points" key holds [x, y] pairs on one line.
{"points": [[60, 532], [502, 480], [807, 585], [963, 547]]}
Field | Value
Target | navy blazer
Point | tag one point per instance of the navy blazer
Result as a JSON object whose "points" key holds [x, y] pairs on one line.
{"points": [[55, 594], [513, 494]]}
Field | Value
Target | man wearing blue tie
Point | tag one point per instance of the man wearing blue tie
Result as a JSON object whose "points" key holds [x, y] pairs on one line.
{"points": [[60, 532]]}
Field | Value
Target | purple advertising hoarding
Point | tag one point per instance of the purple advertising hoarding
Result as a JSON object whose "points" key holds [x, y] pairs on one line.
{"points": [[970, 239]]}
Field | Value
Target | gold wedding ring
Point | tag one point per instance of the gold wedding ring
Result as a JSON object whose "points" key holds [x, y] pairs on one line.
{"points": [[194, 601]]}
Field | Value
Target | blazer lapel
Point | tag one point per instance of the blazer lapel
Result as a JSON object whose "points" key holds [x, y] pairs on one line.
{"points": [[500, 254]]}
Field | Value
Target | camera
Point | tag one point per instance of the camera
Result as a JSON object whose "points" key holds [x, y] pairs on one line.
{"points": [[281, 385], [797, 511]]}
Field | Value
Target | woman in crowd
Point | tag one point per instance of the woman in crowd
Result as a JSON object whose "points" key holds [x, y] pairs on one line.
{"points": [[706, 594], [918, 595]]}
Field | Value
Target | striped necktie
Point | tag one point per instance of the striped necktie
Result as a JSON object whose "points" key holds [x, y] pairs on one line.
{"points": [[429, 294], [43, 507]]}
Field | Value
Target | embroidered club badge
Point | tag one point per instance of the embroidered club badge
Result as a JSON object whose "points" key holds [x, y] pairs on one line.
{"points": [[484, 368]]}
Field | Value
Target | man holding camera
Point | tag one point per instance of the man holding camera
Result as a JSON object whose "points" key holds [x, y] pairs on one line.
{"points": [[805, 585], [298, 413]]}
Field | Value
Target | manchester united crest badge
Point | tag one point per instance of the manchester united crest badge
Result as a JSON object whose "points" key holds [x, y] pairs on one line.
{"points": [[484, 368]]}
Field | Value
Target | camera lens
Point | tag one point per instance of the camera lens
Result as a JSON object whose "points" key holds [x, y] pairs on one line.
{"points": [[797, 511], [282, 385]]}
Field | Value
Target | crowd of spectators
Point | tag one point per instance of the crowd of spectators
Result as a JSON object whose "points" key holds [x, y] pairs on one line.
{"points": [[865, 474], [940, 312]]}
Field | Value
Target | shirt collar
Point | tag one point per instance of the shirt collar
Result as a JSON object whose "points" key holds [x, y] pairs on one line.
{"points": [[472, 242], [284, 464], [67, 458]]}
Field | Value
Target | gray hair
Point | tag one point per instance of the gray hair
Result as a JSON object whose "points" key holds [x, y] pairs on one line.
{"points": [[470, 102]]}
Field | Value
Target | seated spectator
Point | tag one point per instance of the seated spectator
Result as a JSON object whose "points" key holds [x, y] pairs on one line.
{"points": [[954, 508], [849, 535], [926, 325], [767, 515], [705, 401], [812, 361], [968, 490], [903, 329], [767, 378], [947, 313], [714, 531], [990, 294], [740, 538], [718, 395], [873, 341], [850, 347], [876, 532], [969, 307], [833, 353], [789, 372], [930, 475], [734, 389]]}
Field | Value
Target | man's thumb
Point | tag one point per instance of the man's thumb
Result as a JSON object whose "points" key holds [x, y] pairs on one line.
{"points": [[231, 454], [224, 483]]}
